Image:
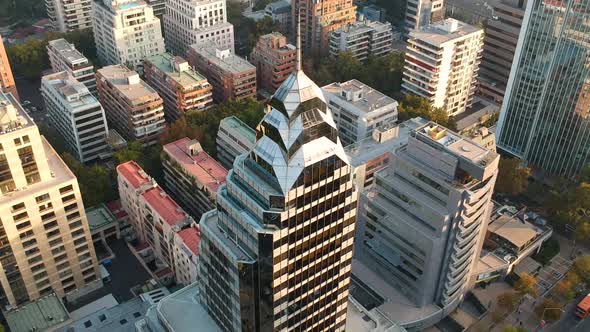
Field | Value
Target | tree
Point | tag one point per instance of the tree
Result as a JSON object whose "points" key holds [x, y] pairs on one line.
{"points": [[510, 328], [508, 301], [549, 310], [412, 106], [95, 182], [565, 289], [260, 4], [526, 284], [582, 268], [178, 130], [147, 157], [513, 177]]}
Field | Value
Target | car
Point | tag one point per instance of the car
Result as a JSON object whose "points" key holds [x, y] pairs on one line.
{"points": [[26, 103]]}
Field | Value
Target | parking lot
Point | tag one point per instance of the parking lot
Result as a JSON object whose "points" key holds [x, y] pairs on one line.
{"points": [[549, 275]]}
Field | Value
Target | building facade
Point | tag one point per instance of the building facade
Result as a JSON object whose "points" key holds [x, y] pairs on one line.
{"points": [[47, 246], [132, 107], [358, 109], [7, 84], [422, 13], [274, 59], [318, 20], [544, 116], [68, 16], [500, 42], [182, 88], [424, 223], [125, 32], [231, 76], [362, 39], [77, 116], [234, 138], [192, 176], [280, 12], [189, 22], [186, 254], [64, 56], [442, 61]]}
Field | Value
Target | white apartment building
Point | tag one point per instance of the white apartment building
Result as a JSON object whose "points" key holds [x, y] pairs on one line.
{"points": [[64, 56], [69, 15], [188, 22], [77, 115], [422, 13], [358, 109], [45, 241], [186, 254], [442, 61], [362, 39], [126, 31]]}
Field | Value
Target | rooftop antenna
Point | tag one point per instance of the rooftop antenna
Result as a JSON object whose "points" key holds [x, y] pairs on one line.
{"points": [[299, 40]]}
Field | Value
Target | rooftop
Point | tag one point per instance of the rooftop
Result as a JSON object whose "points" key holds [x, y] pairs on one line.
{"points": [[165, 206], [475, 113], [73, 92], [12, 114], [98, 217], [38, 315], [514, 230], [128, 83], [133, 173], [197, 163], [364, 26], [68, 52], [360, 95], [122, 5], [279, 7], [223, 58], [177, 69], [444, 31], [191, 237], [237, 126]]}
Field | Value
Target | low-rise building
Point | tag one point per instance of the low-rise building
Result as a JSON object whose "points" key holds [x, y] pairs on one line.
{"points": [[274, 59], [231, 76], [64, 56], [182, 88], [44, 314], [186, 254], [192, 176], [132, 107], [234, 138], [103, 224], [358, 109], [77, 116], [362, 39], [280, 12]]}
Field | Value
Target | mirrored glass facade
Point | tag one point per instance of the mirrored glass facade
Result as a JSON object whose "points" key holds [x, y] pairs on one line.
{"points": [[545, 115]]}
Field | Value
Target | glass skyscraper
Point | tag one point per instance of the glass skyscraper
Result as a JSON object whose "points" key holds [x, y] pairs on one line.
{"points": [[545, 115], [276, 254]]}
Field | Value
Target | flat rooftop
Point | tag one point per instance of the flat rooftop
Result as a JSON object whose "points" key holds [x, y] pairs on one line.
{"points": [[128, 83], [12, 114], [364, 26], [187, 78], [360, 95], [514, 230], [122, 5], [197, 163], [134, 174], [68, 52], [444, 31], [237, 127], [223, 58], [38, 315], [164, 205], [74, 93], [98, 217], [191, 237]]}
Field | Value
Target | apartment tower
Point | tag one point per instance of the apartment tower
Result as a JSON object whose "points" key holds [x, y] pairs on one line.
{"points": [[7, 84], [500, 42], [362, 39], [546, 111], [46, 243], [442, 61], [422, 13], [318, 19], [126, 31], [274, 59], [64, 56], [188, 22], [276, 253], [69, 15]]}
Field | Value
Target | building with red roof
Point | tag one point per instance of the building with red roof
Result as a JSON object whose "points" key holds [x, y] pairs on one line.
{"points": [[186, 253], [192, 176]]}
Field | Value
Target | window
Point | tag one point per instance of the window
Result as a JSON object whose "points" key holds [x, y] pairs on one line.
{"points": [[26, 139], [42, 198], [66, 189], [18, 206], [17, 141]]}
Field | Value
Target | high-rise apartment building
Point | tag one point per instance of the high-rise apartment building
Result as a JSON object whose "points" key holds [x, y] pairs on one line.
{"points": [[422, 13], [442, 61], [69, 15], [46, 243], [280, 12], [362, 39], [132, 107], [501, 37], [276, 253], [126, 31], [7, 84], [190, 22], [192, 176], [231, 76], [234, 138], [318, 19], [77, 116], [358, 109], [422, 227], [182, 88], [64, 56], [544, 119], [274, 59]]}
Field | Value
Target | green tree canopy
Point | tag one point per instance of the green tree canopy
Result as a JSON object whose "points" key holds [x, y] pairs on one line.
{"points": [[582, 268], [526, 284], [513, 177], [97, 183], [549, 310]]}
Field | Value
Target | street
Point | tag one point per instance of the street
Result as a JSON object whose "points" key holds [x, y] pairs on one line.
{"points": [[568, 321]]}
